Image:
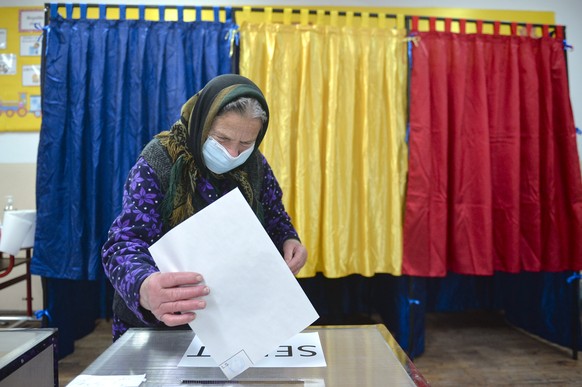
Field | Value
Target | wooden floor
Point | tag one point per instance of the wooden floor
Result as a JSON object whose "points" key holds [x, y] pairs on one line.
{"points": [[481, 349], [461, 349]]}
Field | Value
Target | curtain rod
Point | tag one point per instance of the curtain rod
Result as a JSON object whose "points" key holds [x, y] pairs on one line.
{"points": [[314, 12], [210, 8], [94, 5], [504, 23]]}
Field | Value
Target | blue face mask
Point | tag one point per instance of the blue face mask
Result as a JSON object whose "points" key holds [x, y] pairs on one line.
{"points": [[217, 158]]}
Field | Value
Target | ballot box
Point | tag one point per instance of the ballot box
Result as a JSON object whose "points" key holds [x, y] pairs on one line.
{"points": [[362, 355], [28, 357]]}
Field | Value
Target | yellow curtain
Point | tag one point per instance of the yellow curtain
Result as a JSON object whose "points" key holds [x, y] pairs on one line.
{"points": [[336, 139]]}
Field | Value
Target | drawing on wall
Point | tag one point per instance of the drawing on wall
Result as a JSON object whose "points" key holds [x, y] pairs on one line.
{"points": [[31, 20], [3, 35], [35, 105], [10, 108], [31, 75], [7, 64], [29, 46]]}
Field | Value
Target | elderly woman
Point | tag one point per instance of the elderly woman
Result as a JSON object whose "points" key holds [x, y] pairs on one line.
{"points": [[211, 150]]}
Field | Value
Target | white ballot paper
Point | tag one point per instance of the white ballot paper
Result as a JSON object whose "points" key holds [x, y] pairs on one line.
{"points": [[107, 380], [255, 302]]}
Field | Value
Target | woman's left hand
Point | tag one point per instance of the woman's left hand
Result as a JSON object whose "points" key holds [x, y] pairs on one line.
{"points": [[295, 255]]}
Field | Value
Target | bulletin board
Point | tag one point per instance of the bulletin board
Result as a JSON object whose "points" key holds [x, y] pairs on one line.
{"points": [[20, 60]]}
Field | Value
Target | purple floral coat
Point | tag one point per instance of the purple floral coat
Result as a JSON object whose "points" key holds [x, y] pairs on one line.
{"points": [[126, 259]]}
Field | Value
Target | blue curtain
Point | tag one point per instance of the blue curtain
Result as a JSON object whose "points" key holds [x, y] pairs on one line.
{"points": [[545, 304], [399, 301], [108, 86]]}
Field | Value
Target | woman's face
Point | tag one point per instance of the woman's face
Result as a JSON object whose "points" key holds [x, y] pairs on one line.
{"points": [[235, 132]]}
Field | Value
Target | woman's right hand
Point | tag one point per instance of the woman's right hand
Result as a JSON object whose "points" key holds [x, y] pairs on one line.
{"points": [[173, 297]]}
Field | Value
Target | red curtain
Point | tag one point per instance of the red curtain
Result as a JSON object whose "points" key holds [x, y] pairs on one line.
{"points": [[494, 180]]}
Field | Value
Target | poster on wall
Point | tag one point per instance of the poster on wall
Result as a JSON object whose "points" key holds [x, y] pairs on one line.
{"points": [[7, 64], [29, 46], [3, 34], [31, 75], [31, 20]]}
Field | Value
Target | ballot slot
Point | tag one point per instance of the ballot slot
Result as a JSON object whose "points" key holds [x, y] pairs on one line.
{"points": [[256, 382]]}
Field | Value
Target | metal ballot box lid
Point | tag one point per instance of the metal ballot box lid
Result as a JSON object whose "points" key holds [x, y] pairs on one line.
{"points": [[363, 355]]}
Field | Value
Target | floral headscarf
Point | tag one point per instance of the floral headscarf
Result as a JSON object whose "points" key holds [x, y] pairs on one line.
{"points": [[184, 144]]}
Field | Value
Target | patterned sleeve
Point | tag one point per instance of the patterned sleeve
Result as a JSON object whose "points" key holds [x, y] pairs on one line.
{"points": [[277, 221], [126, 258]]}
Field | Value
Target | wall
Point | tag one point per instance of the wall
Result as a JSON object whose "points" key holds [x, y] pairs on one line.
{"points": [[18, 150]]}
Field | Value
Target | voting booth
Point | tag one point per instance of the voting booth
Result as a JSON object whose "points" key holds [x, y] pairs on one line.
{"points": [[364, 355]]}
